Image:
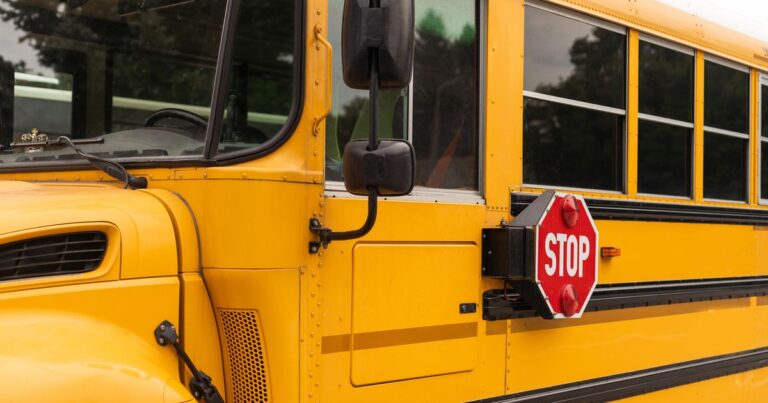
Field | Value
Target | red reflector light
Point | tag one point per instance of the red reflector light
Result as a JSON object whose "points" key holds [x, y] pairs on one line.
{"points": [[570, 211], [568, 301]]}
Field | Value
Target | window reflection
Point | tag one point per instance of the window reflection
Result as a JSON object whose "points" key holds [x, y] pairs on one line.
{"points": [[573, 147], [726, 121], [567, 143], [726, 94], [261, 81], [568, 58], [666, 82], [101, 68], [664, 159]]}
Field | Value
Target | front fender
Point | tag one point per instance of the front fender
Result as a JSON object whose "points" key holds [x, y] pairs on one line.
{"points": [[49, 356]]}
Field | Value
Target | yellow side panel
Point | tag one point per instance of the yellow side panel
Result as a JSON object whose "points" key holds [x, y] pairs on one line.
{"points": [[249, 223], [546, 353], [653, 251], [406, 301], [274, 296]]}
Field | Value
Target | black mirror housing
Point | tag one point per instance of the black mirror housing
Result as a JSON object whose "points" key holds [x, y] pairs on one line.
{"points": [[389, 168], [390, 29]]}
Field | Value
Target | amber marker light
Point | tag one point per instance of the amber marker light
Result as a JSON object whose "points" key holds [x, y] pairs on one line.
{"points": [[610, 251]]}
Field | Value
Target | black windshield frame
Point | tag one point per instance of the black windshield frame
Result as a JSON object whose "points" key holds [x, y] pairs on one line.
{"points": [[215, 126]]}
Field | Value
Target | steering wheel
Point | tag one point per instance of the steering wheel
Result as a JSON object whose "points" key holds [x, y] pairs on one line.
{"points": [[173, 113]]}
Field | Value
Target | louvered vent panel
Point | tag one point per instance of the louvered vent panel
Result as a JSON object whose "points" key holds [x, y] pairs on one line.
{"points": [[247, 367], [52, 255]]}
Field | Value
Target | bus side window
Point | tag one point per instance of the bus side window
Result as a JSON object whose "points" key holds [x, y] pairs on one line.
{"points": [[574, 101], [763, 138], [665, 132], [726, 131], [438, 112]]}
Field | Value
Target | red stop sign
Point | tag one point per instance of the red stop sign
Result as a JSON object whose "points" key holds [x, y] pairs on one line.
{"points": [[566, 256]]}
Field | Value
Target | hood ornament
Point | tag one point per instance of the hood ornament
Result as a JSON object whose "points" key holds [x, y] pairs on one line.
{"points": [[34, 136]]}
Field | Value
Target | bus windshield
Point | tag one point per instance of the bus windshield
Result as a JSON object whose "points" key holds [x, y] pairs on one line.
{"points": [[138, 75]]}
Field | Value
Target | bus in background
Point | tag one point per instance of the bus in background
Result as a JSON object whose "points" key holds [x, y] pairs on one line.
{"points": [[482, 201]]}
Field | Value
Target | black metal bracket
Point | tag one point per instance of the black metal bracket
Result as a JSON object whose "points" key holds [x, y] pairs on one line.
{"points": [[200, 385], [322, 233], [502, 304]]}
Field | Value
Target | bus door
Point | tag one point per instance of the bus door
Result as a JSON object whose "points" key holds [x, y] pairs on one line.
{"points": [[403, 303]]}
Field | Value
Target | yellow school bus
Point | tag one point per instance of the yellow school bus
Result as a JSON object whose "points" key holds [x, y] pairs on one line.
{"points": [[180, 221]]}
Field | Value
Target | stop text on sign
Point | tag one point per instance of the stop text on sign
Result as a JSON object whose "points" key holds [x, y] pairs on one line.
{"points": [[566, 254]]}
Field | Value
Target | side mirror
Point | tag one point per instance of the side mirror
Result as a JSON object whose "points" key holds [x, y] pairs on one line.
{"points": [[376, 52], [388, 168], [387, 30]]}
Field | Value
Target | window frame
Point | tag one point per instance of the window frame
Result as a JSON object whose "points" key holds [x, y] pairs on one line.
{"points": [[336, 189], [587, 19], [668, 121], [209, 158], [723, 132]]}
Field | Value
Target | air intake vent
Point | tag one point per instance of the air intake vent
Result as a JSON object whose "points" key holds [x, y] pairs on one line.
{"points": [[52, 255], [247, 366]]}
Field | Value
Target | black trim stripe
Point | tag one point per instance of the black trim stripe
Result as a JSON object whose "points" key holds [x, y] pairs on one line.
{"points": [[502, 305], [604, 209], [641, 382]]}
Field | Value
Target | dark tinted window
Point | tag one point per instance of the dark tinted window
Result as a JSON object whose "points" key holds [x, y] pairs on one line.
{"points": [[725, 162], [261, 82], [109, 69], [726, 98], [572, 59], [764, 170], [764, 110], [443, 101], [666, 82], [574, 147], [664, 159]]}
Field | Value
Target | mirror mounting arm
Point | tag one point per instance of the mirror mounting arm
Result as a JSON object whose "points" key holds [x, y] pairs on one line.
{"points": [[326, 235]]}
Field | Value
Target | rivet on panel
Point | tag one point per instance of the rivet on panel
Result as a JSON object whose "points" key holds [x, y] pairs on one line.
{"points": [[312, 294], [319, 284], [314, 180], [244, 175], [311, 334], [205, 175], [285, 177]]}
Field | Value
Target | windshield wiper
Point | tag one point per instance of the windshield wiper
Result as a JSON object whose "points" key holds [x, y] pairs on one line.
{"points": [[111, 168]]}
